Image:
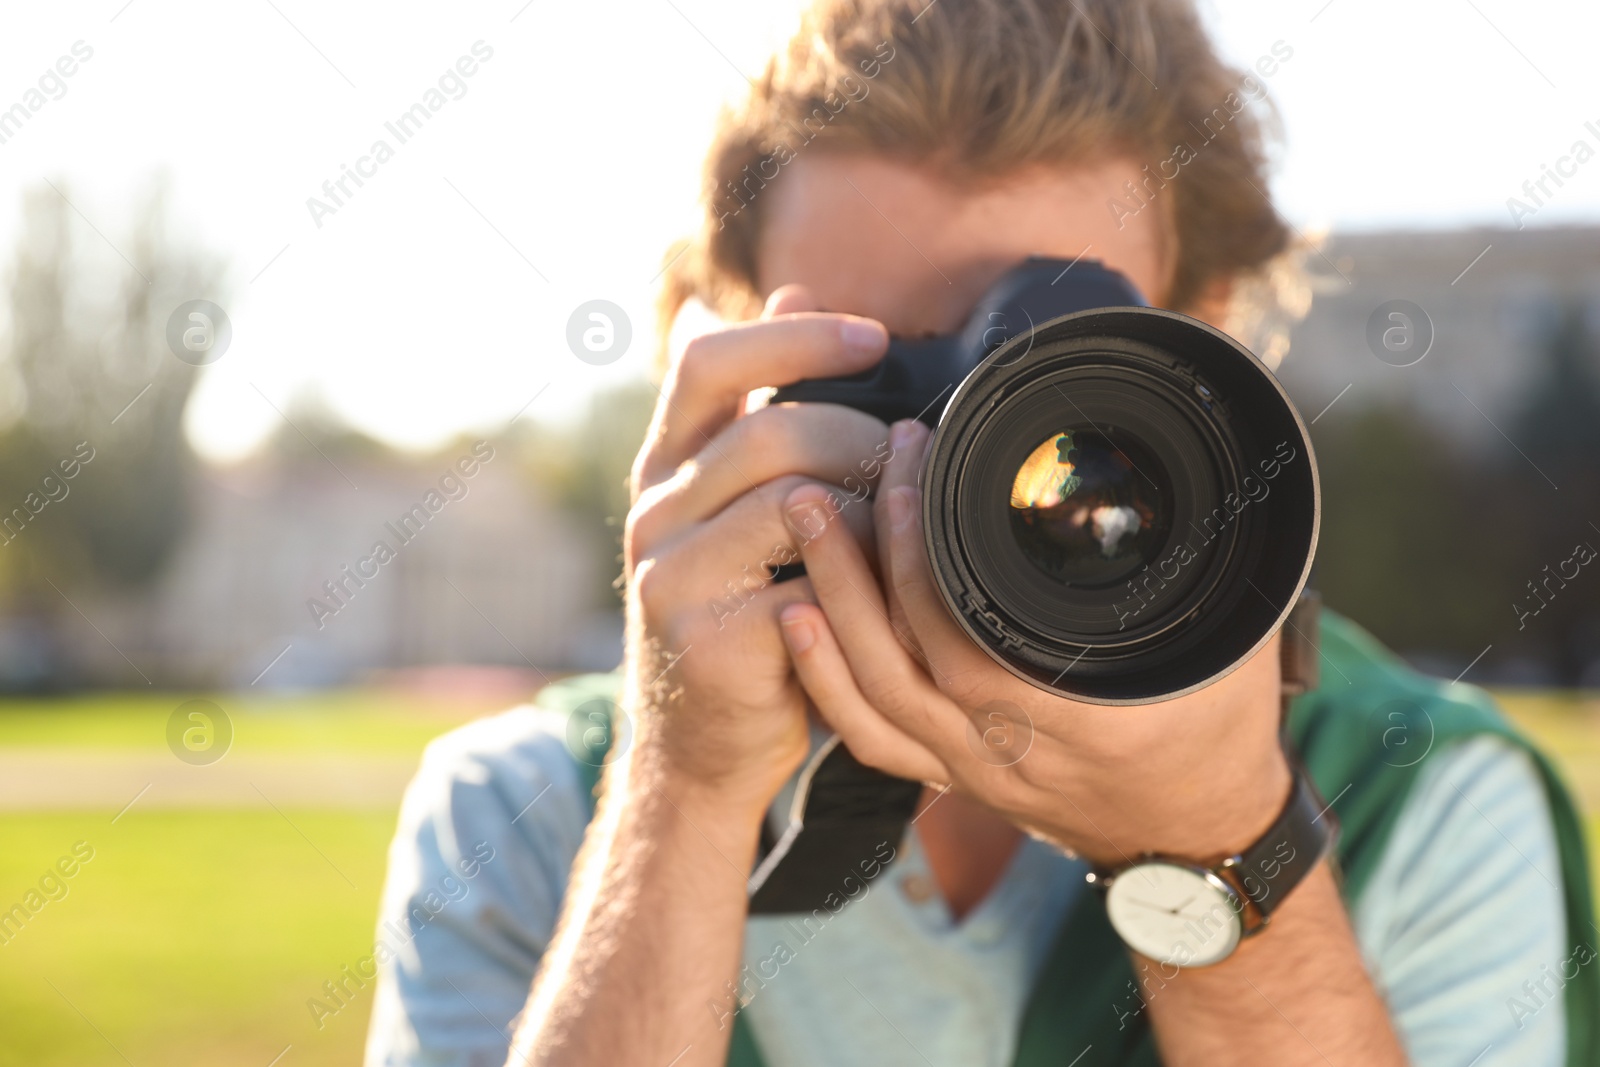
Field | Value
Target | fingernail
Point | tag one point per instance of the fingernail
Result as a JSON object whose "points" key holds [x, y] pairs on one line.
{"points": [[901, 433], [799, 634], [808, 519], [863, 335], [899, 506]]}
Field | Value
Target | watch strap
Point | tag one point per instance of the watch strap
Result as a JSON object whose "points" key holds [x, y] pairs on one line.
{"points": [[1266, 872]]}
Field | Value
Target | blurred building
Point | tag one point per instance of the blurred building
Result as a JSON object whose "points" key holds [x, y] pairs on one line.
{"points": [[1454, 485], [277, 581], [1492, 296]]}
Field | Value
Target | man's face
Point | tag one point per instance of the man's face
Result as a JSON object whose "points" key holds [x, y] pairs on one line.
{"points": [[896, 243]]}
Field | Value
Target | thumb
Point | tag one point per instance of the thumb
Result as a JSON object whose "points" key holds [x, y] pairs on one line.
{"points": [[788, 300]]}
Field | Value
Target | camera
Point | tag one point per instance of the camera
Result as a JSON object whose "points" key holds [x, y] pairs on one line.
{"points": [[1120, 505]]}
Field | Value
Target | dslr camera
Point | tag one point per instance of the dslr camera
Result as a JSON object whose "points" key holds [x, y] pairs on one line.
{"points": [[1120, 506]]}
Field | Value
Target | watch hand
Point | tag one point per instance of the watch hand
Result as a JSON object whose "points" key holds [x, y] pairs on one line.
{"points": [[1154, 907], [1180, 907]]}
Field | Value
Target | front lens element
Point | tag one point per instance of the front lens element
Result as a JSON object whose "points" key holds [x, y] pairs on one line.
{"points": [[1089, 510]]}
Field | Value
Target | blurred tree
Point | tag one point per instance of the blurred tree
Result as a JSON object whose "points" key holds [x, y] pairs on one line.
{"points": [[586, 467], [313, 436], [1558, 427], [1559, 417], [87, 364], [1401, 528]]}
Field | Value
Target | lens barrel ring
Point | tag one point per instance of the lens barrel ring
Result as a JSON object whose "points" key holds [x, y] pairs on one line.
{"points": [[1249, 559]]}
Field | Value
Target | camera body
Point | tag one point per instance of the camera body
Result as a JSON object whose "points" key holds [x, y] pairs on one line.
{"points": [[1120, 505], [917, 376]]}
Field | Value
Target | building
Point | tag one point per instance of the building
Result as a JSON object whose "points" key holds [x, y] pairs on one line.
{"points": [[279, 580]]}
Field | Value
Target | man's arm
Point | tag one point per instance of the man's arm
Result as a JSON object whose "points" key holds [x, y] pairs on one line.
{"points": [[1466, 932], [488, 831], [651, 932], [1296, 994], [653, 923]]}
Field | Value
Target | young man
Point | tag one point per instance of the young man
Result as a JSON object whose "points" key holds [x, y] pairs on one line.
{"points": [[892, 164]]}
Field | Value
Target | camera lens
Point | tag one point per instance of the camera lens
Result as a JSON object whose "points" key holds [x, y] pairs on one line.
{"points": [[1121, 506], [1088, 509]]}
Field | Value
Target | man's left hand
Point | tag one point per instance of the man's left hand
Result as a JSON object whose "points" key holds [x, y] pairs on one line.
{"points": [[1198, 777]]}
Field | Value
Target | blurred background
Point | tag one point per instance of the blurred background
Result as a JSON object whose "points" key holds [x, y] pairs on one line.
{"points": [[190, 508]]}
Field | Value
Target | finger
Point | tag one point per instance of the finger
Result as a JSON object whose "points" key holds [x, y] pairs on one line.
{"points": [[823, 441], [695, 648], [789, 299], [707, 385], [825, 675], [713, 569], [888, 676], [908, 443], [914, 600]]}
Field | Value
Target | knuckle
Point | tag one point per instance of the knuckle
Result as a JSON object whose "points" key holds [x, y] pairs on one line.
{"points": [[964, 686], [885, 693], [639, 527], [694, 628], [1008, 791], [869, 751], [770, 432], [644, 462], [778, 489], [1032, 776], [651, 588], [692, 355], [771, 495], [693, 366]]}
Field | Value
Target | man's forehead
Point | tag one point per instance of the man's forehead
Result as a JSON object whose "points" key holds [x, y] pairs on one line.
{"points": [[898, 243]]}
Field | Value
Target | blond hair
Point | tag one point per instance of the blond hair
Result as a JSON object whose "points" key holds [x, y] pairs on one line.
{"points": [[976, 90]]}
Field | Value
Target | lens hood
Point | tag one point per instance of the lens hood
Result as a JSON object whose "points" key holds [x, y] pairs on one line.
{"points": [[1202, 428]]}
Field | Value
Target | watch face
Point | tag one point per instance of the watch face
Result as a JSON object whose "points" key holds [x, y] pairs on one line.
{"points": [[1175, 915]]}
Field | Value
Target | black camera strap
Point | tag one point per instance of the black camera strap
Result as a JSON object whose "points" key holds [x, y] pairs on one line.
{"points": [[847, 822]]}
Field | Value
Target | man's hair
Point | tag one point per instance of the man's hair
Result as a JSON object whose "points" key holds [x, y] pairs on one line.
{"points": [[976, 90]]}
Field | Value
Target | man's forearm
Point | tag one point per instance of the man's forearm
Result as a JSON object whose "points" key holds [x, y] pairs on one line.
{"points": [[651, 931], [1298, 993]]}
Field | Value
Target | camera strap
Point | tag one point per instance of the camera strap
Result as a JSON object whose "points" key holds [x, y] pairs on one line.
{"points": [[845, 827]]}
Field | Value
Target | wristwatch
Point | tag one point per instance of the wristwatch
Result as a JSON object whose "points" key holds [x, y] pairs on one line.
{"points": [[1182, 914]]}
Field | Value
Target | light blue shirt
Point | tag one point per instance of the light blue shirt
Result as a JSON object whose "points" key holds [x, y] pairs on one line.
{"points": [[1462, 926]]}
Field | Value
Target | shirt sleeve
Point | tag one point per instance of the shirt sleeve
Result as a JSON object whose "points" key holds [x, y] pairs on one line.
{"points": [[1463, 923], [488, 831]]}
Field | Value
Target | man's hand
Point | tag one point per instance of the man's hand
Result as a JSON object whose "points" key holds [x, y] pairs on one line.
{"points": [[643, 965], [708, 672], [1199, 776]]}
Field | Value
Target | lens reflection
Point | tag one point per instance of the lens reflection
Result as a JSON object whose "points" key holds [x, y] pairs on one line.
{"points": [[1088, 510]]}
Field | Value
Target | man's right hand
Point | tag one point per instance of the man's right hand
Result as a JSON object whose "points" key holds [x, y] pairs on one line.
{"points": [[653, 921], [710, 683]]}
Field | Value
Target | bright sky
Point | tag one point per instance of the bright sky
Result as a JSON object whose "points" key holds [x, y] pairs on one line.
{"points": [[436, 299]]}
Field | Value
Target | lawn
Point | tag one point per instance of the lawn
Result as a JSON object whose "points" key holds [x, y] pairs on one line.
{"points": [[191, 937], [197, 936], [355, 720]]}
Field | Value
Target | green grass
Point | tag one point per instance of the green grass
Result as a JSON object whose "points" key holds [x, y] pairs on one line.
{"points": [[364, 720], [191, 937], [197, 937]]}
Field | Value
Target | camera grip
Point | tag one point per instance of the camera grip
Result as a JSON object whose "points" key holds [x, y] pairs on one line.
{"points": [[914, 380]]}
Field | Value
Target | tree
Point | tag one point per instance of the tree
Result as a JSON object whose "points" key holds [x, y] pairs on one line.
{"points": [[1557, 427], [88, 371], [1401, 549]]}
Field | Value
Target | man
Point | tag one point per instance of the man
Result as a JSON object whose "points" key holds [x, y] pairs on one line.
{"points": [[896, 160]]}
